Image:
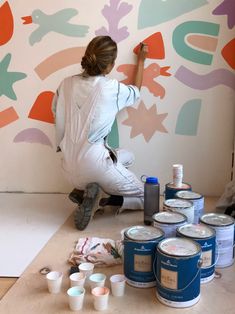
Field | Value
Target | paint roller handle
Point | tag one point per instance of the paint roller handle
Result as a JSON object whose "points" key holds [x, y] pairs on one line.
{"points": [[142, 54]]}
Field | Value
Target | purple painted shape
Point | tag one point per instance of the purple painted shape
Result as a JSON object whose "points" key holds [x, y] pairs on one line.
{"points": [[32, 135], [227, 7], [113, 14], [203, 82]]}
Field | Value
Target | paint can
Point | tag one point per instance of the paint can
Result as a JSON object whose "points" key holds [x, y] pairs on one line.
{"points": [[224, 227], [198, 202], [181, 206], [178, 272], [205, 236], [169, 222], [140, 244], [171, 189]]}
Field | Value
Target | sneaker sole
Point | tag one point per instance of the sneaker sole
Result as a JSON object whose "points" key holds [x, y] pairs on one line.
{"points": [[84, 212]]}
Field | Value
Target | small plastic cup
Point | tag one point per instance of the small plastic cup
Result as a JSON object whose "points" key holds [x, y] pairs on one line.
{"points": [[54, 281], [118, 283], [97, 280], [77, 279], [101, 297], [86, 268], [76, 298]]}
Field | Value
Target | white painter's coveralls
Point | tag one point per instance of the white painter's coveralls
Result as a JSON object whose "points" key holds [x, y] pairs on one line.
{"points": [[85, 109]]}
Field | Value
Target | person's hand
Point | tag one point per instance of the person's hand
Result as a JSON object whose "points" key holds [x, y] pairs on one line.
{"points": [[143, 51]]}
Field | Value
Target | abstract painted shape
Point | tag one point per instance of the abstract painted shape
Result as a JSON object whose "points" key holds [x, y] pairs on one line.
{"points": [[57, 22], [185, 50], [113, 137], [6, 23], [227, 7], [32, 135], [41, 109], [7, 79], [59, 60], [188, 118], [206, 43], [113, 14], [8, 116], [156, 49], [228, 53], [145, 121], [155, 12], [151, 72], [203, 82]]}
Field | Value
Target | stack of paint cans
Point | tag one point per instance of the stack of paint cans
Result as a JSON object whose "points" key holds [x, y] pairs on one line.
{"points": [[224, 228], [178, 272], [198, 202], [181, 206], [140, 243], [205, 236]]}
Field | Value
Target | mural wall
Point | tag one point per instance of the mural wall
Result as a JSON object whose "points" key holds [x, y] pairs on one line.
{"points": [[186, 112]]}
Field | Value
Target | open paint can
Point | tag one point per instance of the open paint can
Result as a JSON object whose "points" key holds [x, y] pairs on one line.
{"points": [[180, 206], [178, 271], [171, 189], [140, 244]]}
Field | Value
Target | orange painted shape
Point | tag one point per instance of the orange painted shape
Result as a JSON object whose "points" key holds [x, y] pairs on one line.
{"points": [[41, 109], [155, 44], [6, 23], [228, 53], [8, 116]]}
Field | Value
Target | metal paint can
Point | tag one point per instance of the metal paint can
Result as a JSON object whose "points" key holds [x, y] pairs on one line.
{"points": [[171, 189], [178, 272], [169, 222], [198, 202], [140, 244], [224, 228], [205, 236], [181, 206]]}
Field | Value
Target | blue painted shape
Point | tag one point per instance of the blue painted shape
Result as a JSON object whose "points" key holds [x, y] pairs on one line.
{"points": [[154, 12], [187, 121], [113, 138], [194, 27]]}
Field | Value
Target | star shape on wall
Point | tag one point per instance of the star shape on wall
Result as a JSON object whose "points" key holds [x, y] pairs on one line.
{"points": [[7, 79], [145, 121], [227, 7]]}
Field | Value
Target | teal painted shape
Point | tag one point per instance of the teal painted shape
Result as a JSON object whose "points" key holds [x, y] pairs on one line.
{"points": [[195, 27], [7, 79], [188, 118], [154, 12], [113, 138]]}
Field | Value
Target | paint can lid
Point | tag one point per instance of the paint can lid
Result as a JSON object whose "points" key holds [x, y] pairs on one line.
{"points": [[199, 231], [188, 195], [152, 180], [178, 203], [179, 247], [169, 217], [143, 233], [217, 220], [184, 186]]}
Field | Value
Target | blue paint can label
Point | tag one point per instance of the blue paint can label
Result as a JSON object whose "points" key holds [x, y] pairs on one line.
{"points": [[171, 189], [140, 244]]}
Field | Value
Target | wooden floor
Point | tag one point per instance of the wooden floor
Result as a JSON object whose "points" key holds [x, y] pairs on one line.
{"points": [[5, 285]]}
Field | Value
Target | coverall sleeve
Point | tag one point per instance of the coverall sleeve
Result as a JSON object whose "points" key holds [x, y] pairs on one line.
{"points": [[127, 95]]}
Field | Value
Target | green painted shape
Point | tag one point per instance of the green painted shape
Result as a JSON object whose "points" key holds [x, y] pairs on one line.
{"points": [[195, 27], [7, 79], [154, 12], [113, 138], [188, 118]]}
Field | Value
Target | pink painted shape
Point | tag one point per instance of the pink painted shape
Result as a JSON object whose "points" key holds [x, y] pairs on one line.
{"points": [[32, 135], [8, 116], [206, 43], [59, 61]]}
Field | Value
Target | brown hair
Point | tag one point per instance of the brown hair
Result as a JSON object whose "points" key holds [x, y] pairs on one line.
{"points": [[100, 52]]}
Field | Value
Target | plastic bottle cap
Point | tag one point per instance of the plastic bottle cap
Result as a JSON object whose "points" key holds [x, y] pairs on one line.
{"points": [[152, 180]]}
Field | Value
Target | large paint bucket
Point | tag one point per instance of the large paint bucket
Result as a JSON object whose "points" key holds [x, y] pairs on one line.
{"points": [[140, 244], [205, 236], [198, 202], [178, 272], [171, 189], [169, 222], [181, 206], [224, 228]]}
